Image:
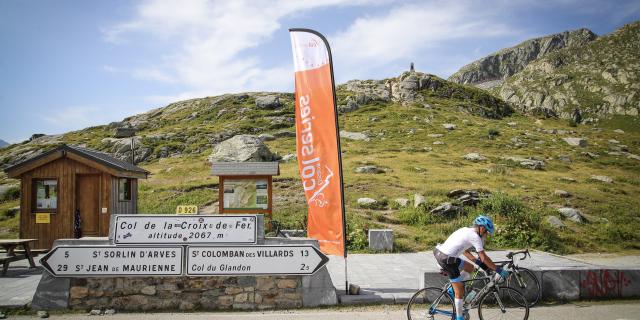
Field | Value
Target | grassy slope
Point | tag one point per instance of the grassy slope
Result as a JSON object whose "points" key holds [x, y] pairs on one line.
{"points": [[612, 209]]}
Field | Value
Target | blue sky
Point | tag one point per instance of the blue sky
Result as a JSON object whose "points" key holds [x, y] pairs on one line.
{"points": [[69, 64]]}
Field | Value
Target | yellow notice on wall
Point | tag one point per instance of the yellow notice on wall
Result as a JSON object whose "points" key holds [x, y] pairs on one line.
{"points": [[187, 210], [43, 218]]}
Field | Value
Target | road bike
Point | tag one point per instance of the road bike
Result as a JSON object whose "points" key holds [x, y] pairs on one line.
{"points": [[493, 301], [520, 278]]}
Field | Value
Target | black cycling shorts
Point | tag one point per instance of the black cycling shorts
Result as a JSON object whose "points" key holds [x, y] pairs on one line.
{"points": [[451, 265]]}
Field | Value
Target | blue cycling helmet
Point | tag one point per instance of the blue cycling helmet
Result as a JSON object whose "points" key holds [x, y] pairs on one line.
{"points": [[484, 221]]}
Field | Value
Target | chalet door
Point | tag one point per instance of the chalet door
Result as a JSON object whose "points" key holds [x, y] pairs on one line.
{"points": [[88, 202]]}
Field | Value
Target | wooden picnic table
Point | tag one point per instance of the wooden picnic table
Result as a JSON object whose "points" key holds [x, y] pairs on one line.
{"points": [[9, 256]]}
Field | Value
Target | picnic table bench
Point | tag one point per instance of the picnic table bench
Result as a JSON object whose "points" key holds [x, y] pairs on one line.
{"points": [[9, 245]]}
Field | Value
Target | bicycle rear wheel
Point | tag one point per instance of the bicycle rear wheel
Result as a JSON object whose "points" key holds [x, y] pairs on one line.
{"points": [[525, 281], [504, 303], [430, 303]]}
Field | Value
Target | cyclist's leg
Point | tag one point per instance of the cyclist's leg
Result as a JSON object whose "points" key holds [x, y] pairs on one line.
{"points": [[460, 274]]}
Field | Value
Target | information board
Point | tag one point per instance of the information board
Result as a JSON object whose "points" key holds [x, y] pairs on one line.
{"points": [[248, 194], [183, 229], [254, 260], [77, 261]]}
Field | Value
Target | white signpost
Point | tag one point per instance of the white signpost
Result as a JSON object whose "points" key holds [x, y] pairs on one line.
{"points": [[254, 260], [76, 261], [172, 229], [161, 245]]}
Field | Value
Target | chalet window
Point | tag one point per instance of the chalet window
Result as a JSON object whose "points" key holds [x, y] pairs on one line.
{"points": [[45, 195], [124, 189]]}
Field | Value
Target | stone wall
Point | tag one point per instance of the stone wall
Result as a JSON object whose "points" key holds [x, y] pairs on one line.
{"points": [[187, 293]]}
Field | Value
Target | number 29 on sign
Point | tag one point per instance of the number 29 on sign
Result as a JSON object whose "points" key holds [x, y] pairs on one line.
{"points": [[187, 210]]}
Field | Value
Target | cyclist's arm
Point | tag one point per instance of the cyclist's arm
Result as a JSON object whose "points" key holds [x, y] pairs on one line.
{"points": [[486, 260], [469, 256]]}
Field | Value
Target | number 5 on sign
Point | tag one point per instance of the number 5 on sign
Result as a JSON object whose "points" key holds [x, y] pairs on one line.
{"points": [[187, 210]]}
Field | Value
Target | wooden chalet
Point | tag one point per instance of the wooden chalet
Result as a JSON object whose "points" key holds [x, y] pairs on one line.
{"points": [[68, 182]]}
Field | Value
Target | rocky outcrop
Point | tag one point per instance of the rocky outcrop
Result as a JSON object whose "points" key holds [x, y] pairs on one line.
{"points": [[491, 70], [414, 88], [581, 83], [242, 148]]}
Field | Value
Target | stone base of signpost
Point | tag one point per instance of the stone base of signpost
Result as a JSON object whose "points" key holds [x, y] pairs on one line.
{"points": [[186, 293]]}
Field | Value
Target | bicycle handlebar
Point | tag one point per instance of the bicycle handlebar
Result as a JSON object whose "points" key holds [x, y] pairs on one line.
{"points": [[524, 253]]}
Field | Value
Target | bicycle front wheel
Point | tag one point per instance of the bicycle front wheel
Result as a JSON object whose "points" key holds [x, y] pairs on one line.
{"points": [[504, 303], [430, 303], [525, 281]]}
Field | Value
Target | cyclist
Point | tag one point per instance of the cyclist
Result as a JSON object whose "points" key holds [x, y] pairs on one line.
{"points": [[448, 257]]}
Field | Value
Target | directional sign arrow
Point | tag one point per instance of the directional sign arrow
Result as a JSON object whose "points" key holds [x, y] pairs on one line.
{"points": [[80, 261], [254, 260]]}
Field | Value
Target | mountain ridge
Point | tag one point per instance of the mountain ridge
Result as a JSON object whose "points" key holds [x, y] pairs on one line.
{"points": [[597, 79], [491, 69]]}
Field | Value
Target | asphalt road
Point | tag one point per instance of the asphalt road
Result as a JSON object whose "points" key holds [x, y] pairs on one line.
{"points": [[626, 310]]}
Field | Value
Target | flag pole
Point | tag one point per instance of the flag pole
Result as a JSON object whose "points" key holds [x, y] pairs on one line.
{"points": [[335, 107], [344, 212]]}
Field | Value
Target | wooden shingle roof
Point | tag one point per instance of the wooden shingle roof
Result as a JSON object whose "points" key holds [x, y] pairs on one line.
{"points": [[93, 158], [245, 168]]}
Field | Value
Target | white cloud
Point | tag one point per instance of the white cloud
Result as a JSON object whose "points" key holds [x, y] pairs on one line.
{"points": [[210, 40], [410, 31], [214, 46]]}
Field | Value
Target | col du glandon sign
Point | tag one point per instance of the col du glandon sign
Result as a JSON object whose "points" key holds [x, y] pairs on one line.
{"points": [[171, 229], [246, 260]]}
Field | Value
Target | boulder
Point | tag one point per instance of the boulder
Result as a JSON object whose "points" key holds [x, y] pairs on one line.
{"points": [[289, 157], [268, 102], [349, 107], [402, 202], [572, 214], [435, 135], [527, 163], [576, 142], [285, 134], [555, 222], [618, 131], [512, 124], [121, 149], [474, 157], [36, 136], [446, 209], [358, 136], [367, 202], [564, 158], [468, 197], [604, 179], [124, 132], [419, 200], [590, 155], [266, 137], [567, 179], [438, 143], [449, 126], [242, 148], [561, 193], [369, 169]]}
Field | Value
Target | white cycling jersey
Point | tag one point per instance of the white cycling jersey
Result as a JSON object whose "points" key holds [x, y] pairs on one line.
{"points": [[461, 240]]}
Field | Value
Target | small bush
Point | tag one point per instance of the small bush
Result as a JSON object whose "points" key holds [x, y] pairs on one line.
{"points": [[518, 226], [356, 237], [10, 194], [493, 133]]}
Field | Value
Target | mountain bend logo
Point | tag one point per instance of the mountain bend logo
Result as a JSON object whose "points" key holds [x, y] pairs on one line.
{"points": [[314, 180]]}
